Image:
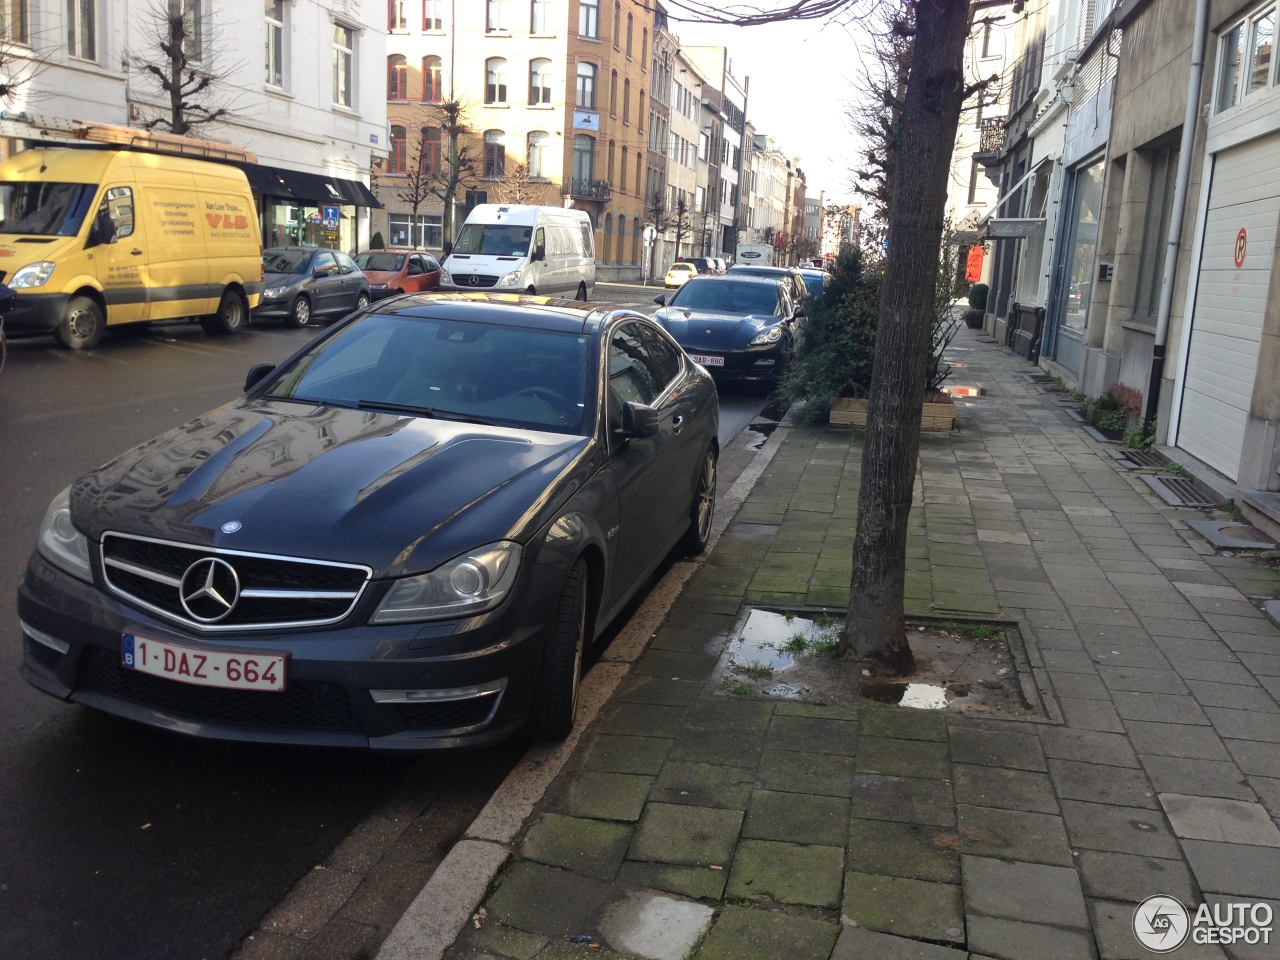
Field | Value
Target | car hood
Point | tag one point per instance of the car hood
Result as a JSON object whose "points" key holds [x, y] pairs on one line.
{"points": [[400, 494], [381, 276], [711, 328], [270, 280]]}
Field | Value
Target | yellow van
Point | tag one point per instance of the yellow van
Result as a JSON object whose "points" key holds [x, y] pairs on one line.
{"points": [[91, 238]]}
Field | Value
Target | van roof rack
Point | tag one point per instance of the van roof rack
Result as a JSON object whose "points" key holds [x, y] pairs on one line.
{"points": [[30, 126]]}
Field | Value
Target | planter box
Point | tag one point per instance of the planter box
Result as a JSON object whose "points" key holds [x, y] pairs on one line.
{"points": [[934, 416]]}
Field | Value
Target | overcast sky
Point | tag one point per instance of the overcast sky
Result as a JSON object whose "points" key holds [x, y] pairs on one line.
{"points": [[801, 74]]}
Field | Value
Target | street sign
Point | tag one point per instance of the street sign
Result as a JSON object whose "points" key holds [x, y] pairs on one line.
{"points": [[330, 216], [650, 233], [1242, 247]]}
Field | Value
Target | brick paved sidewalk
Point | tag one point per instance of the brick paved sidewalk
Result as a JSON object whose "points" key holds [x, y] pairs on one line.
{"points": [[691, 824]]}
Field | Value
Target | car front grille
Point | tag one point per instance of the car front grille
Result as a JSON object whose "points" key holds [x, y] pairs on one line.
{"points": [[481, 280], [447, 714], [268, 592], [323, 706], [45, 656]]}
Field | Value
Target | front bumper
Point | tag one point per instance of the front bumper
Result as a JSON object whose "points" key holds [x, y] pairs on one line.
{"points": [[36, 312], [72, 650], [277, 307], [766, 362]]}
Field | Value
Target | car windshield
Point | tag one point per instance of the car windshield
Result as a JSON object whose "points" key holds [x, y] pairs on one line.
{"points": [[494, 239], [814, 282], [44, 209], [727, 296], [285, 261], [388, 262], [448, 369]]}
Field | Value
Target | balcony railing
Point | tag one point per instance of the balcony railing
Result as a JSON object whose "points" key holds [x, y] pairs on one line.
{"points": [[587, 189], [991, 134]]}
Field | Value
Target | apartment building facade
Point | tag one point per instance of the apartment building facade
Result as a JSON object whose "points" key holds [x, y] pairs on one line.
{"points": [[305, 95]]}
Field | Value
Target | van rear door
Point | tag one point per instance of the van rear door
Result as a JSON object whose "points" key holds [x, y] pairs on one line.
{"points": [[118, 252]]}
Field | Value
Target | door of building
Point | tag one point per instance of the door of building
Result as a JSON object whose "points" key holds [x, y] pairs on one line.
{"points": [[1231, 299]]}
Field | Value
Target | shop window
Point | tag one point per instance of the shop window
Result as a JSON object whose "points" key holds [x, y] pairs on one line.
{"points": [[1086, 207], [432, 88], [396, 156], [495, 80], [397, 77], [539, 82]]}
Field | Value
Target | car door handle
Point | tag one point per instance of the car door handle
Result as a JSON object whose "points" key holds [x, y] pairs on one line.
{"points": [[677, 423], [136, 252]]}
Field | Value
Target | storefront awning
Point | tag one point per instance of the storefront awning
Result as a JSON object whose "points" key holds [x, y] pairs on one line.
{"points": [[306, 187]]}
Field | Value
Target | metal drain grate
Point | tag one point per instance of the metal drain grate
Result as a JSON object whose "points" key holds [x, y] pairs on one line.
{"points": [[1177, 491], [1138, 459]]}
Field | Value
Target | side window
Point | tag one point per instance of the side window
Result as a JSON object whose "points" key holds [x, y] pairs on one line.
{"points": [[540, 241], [588, 242], [346, 264], [415, 265], [325, 261], [666, 360], [115, 216], [431, 264], [631, 373]]}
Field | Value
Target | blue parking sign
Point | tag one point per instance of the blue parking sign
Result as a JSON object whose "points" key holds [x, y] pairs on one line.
{"points": [[330, 215]]}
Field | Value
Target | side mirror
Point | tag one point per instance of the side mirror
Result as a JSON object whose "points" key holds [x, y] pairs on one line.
{"points": [[257, 373], [320, 274], [539, 253], [639, 420], [797, 313], [448, 248], [660, 299]]}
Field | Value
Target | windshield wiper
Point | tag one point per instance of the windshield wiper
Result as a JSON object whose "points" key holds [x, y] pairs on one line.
{"points": [[432, 412]]}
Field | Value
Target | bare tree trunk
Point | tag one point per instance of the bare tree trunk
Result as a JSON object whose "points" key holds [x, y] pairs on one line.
{"points": [[876, 626]]}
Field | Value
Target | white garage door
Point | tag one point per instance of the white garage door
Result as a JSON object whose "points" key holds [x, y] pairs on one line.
{"points": [[1230, 302]]}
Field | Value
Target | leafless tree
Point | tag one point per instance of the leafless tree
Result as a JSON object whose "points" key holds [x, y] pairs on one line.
{"points": [[179, 65], [460, 164], [417, 185], [680, 219], [20, 64], [519, 186]]}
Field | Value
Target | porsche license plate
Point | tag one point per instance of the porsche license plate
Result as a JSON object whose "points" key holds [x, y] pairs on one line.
{"points": [[230, 670], [707, 361]]}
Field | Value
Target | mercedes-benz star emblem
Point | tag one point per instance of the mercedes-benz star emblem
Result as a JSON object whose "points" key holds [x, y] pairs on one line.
{"points": [[209, 590], [475, 280], [231, 526]]}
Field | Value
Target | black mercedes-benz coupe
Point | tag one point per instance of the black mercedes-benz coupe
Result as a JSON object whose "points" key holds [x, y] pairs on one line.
{"points": [[402, 537]]}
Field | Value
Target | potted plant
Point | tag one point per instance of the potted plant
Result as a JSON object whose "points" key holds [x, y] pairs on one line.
{"points": [[974, 316]]}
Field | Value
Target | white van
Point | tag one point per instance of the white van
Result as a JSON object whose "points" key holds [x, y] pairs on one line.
{"points": [[518, 248]]}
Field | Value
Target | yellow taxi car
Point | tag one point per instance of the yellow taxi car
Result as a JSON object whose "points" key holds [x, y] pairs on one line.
{"points": [[679, 273]]}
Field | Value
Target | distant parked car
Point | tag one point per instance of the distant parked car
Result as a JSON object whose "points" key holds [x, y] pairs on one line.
{"points": [[392, 272], [302, 284], [719, 264], [679, 273], [703, 264], [814, 280], [738, 328], [791, 276]]}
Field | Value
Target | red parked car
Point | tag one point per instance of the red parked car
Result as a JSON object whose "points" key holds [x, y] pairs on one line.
{"points": [[392, 272]]}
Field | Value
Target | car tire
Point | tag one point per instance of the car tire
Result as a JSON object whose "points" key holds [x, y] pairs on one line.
{"points": [[231, 317], [362, 301], [703, 509], [582, 292], [82, 325], [300, 312], [555, 703]]}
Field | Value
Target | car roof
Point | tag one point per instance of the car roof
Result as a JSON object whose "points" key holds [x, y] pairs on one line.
{"points": [[814, 271], [704, 278], [301, 249], [507, 309], [761, 269]]}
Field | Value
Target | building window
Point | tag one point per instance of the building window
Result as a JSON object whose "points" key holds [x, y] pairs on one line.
{"points": [[431, 80], [396, 19], [630, 28], [539, 82], [640, 114], [1244, 58], [644, 48], [589, 18], [496, 20], [622, 172], [540, 16], [613, 150], [626, 101], [495, 154], [428, 231], [975, 174], [617, 24], [82, 29], [193, 16], [13, 20], [432, 18], [584, 157], [1086, 206], [1263, 33], [429, 152], [396, 157], [344, 42], [1155, 234], [536, 153], [275, 42], [397, 77], [613, 94], [495, 80], [586, 86]]}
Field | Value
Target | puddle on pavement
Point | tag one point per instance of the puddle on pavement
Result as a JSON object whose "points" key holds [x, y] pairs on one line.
{"points": [[782, 655]]}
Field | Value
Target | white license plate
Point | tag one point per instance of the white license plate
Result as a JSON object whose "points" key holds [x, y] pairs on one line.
{"points": [[230, 670], [707, 361]]}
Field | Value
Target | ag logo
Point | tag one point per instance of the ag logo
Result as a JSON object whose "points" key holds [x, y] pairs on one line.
{"points": [[1161, 924]]}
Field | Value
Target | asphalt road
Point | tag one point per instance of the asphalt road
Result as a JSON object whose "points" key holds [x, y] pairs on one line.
{"points": [[117, 841]]}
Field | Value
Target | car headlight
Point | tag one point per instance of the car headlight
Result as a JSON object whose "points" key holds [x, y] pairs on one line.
{"points": [[274, 292], [473, 583], [444, 276], [61, 543], [771, 335], [33, 274], [510, 279]]}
